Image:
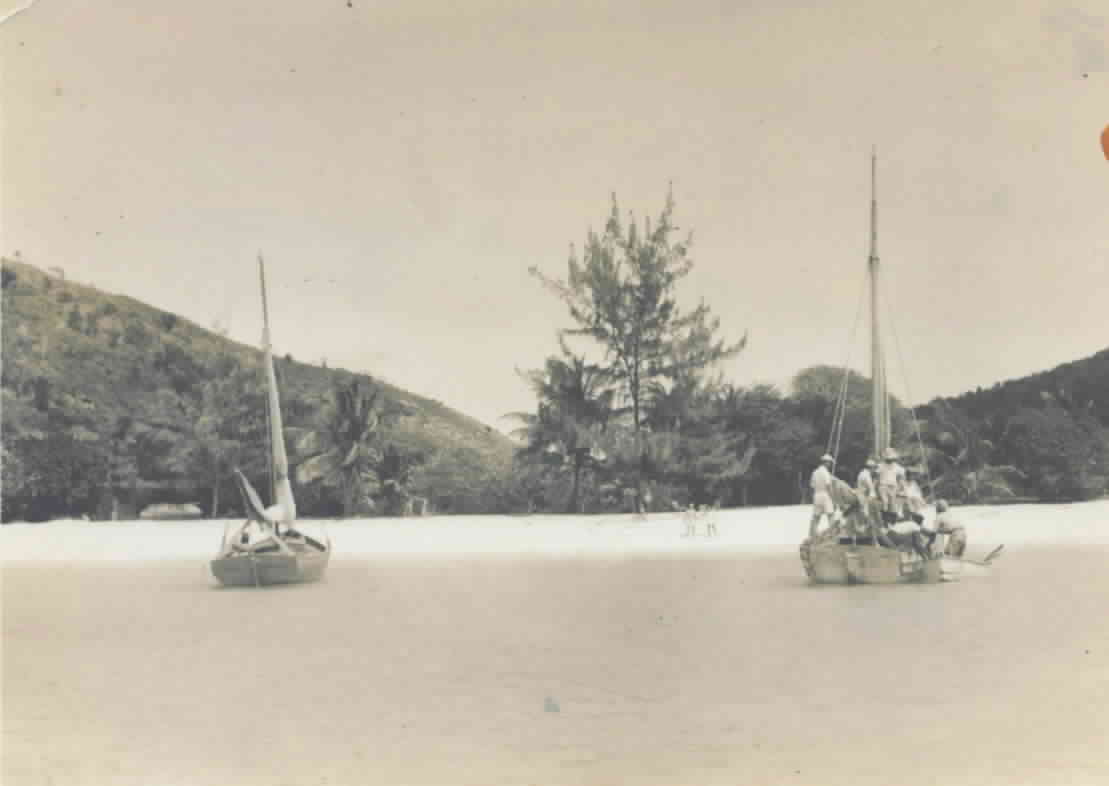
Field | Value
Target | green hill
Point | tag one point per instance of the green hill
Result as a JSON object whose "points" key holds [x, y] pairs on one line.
{"points": [[1079, 385], [1044, 436], [80, 364]]}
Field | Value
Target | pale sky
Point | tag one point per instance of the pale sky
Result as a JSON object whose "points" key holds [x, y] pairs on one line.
{"points": [[401, 164]]}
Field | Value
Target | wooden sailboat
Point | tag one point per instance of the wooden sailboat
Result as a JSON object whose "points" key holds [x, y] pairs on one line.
{"points": [[853, 560], [266, 548]]}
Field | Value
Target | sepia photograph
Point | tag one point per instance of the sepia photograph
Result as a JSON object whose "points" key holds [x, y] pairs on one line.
{"points": [[554, 393]]}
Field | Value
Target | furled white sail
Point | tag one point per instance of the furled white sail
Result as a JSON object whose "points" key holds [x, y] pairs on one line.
{"points": [[284, 508]]}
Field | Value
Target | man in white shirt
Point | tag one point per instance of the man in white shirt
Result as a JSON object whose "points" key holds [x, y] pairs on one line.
{"points": [[867, 489], [822, 504], [865, 482], [891, 481]]}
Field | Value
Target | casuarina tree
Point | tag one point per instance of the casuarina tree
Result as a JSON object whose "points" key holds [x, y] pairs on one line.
{"points": [[621, 293]]}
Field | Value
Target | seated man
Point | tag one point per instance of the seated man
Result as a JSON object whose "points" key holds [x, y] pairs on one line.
{"points": [[858, 517], [956, 532], [908, 535], [914, 498]]}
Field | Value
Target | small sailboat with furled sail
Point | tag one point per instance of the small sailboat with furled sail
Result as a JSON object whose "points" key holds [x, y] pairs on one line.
{"points": [[860, 550], [267, 548]]}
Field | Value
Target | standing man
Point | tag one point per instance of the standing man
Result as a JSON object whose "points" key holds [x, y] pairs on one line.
{"points": [[865, 481], [891, 481], [868, 496], [864, 484], [822, 504]]}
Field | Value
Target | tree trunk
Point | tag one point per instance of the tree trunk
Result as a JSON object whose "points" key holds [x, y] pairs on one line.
{"points": [[640, 448], [576, 489], [348, 497]]}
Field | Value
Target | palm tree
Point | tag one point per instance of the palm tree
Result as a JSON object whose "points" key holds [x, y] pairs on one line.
{"points": [[575, 403], [228, 429], [344, 451]]}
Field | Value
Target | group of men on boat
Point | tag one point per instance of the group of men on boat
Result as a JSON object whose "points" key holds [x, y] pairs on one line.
{"points": [[885, 507]]}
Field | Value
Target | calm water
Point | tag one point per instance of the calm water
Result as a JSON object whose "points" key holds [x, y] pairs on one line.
{"points": [[694, 668]]}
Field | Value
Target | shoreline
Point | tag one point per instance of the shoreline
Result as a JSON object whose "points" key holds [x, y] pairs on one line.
{"points": [[739, 531]]}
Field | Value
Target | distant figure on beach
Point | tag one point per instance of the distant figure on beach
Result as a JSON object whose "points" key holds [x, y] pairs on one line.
{"points": [[946, 524], [710, 518], [891, 479], [822, 504]]}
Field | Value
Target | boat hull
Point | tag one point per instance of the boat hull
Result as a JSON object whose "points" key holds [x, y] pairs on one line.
{"points": [[839, 563], [260, 570]]}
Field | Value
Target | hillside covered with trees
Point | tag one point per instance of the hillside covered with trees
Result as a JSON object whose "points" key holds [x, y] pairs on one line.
{"points": [[110, 404], [1044, 436]]}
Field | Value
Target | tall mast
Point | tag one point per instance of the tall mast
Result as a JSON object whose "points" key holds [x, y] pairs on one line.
{"points": [[279, 461], [880, 405]]}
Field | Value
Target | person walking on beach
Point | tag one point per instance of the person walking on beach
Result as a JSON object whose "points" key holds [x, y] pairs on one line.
{"points": [[689, 518], [710, 518], [822, 504]]}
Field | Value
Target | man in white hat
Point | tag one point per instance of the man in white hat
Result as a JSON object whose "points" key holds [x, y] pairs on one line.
{"points": [[867, 487], [891, 483], [822, 504]]}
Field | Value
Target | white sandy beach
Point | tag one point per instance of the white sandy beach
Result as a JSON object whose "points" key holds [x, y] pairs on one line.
{"points": [[742, 530], [553, 650]]}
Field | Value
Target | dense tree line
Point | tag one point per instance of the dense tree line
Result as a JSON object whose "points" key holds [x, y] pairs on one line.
{"points": [[630, 414], [647, 425], [110, 405], [345, 463]]}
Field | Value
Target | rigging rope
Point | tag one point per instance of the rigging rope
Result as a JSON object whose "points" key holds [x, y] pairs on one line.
{"points": [[269, 449], [912, 411], [840, 412]]}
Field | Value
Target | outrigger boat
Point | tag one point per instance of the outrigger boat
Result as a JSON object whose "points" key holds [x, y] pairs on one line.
{"points": [[856, 554], [266, 549]]}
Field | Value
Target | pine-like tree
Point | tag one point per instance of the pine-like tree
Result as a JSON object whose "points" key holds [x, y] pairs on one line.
{"points": [[621, 294]]}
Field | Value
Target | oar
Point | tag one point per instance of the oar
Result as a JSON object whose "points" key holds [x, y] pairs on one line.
{"points": [[993, 554]]}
